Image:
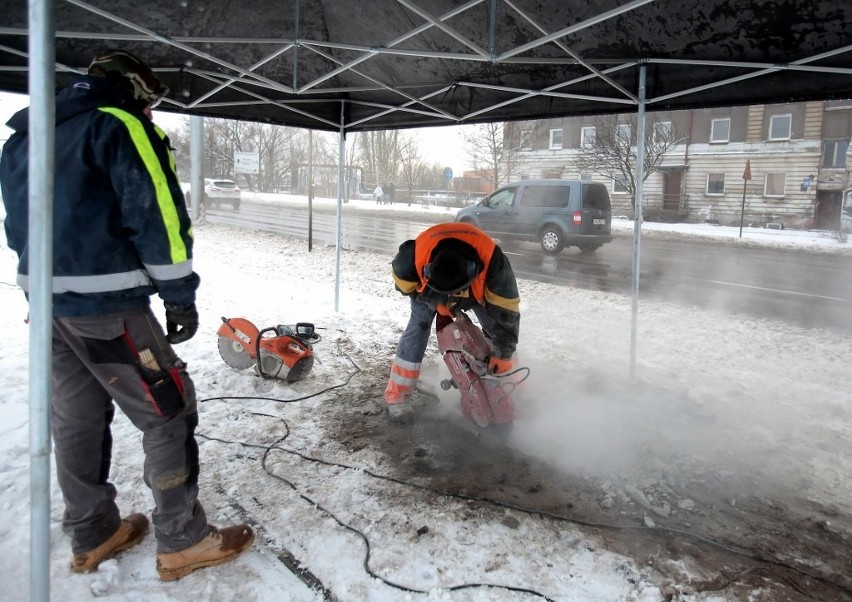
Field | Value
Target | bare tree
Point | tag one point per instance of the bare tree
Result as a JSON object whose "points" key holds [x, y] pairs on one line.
{"points": [[518, 137], [412, 166], [381, 151], [486, 149], [612, 151], [279, 150]]}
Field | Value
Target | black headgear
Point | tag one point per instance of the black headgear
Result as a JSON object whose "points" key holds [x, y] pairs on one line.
{"points": [[121, 64], [449, 271]]}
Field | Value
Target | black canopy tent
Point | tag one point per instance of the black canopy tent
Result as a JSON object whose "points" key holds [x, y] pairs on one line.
{"points": [[412, 63], [360, 65]]}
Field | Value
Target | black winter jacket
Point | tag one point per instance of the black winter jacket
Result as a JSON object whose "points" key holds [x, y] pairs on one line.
{"points": [[121, 228], [501, 300]]}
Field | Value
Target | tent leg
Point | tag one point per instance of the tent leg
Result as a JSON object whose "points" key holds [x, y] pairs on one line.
{"points": [[637, 217], [341, 161], [42, 51]]}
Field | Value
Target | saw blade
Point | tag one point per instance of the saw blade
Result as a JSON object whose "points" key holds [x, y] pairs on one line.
{"points": [[234, 354]]}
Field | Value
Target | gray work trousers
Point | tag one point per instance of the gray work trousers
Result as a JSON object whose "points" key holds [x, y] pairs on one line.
{"points": [[96, 361]]}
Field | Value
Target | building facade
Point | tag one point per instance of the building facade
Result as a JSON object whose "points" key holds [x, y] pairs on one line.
{"points": [[780, 165]]}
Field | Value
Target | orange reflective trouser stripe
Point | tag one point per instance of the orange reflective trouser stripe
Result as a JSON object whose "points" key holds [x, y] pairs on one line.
{"points": [[403, 377]]}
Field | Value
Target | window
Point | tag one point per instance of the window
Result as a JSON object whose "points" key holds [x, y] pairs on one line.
{"points": [[774, 185], [662, 133], [619, 184], [502, 198], [555, 139], [546, 196], [595, 197], [624, 132], [834, 154], [720, 130], [779, 127], [587, 137], [586, 176], [715, 183], [525, 136]]}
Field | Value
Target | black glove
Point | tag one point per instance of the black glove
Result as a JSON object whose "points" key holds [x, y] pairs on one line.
{"points": [[181, 322]]}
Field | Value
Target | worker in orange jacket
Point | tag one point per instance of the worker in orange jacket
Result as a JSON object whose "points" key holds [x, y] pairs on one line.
{"points": [[451, 266]]}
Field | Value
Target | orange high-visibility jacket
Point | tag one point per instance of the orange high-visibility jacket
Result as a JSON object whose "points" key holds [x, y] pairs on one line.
{"points": [[494, 288]]}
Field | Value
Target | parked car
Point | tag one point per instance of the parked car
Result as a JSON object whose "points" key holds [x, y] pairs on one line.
{"points": [[554, 213], [219, 191]]}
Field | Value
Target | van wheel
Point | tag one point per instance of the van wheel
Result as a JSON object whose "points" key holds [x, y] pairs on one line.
{"points": [[551, 240], [589, 248]]}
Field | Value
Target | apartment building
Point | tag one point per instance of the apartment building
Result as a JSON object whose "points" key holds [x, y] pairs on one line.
{"points": [[779, 165]]}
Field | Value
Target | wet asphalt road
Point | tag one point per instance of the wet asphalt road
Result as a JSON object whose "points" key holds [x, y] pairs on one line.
{"points": [[813, 290]]}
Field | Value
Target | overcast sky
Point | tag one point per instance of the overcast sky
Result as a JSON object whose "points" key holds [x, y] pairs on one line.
{"points": [[442, 145]]}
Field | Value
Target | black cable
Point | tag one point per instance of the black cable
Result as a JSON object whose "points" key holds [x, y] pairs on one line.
{"points": [[543, 513], [295, 399], [275, 446]]}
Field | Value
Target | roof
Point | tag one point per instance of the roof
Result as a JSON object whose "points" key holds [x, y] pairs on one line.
{"points": [[379, 64]]}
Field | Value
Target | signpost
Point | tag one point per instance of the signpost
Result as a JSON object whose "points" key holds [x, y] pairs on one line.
{"points": [[746, 178], [246, 162]]}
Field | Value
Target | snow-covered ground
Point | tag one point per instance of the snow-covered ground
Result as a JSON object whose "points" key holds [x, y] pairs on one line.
{"points": [[760, 402]]}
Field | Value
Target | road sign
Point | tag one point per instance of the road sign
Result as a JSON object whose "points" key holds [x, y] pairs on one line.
{"points": [[246, 162], [448, 173]]}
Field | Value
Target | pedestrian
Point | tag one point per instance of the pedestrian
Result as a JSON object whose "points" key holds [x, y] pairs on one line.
{"points": [[451, 266], [121, 234], [390, 191], [378, 194]]}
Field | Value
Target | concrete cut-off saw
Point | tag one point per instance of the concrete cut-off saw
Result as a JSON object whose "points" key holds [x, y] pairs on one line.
{"points": [[284, 351], [485, 398]]}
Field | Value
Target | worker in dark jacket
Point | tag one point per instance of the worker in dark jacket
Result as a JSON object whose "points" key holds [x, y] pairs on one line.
{"points": [[451, 266], [121, 234]]}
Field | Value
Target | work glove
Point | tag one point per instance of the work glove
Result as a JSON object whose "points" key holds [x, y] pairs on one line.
{"points": [[181, 322], [498, 366]]}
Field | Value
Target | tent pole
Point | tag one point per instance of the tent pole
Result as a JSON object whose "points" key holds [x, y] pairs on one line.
{"points": [[637, 217], [341, 159], [42, 121], [196, 165]]}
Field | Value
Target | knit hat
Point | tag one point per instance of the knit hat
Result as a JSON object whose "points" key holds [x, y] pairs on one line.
{"points": [[120, 64]]}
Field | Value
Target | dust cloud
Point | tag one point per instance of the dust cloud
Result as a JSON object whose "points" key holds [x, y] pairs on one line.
{"points": [[608, 429]]}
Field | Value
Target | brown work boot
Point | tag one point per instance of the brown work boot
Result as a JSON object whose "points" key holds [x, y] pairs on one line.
{"points": [[220, 545], [130, 532]]}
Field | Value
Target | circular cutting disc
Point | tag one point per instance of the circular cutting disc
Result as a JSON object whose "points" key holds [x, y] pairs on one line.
{"points": [[234, 354]]}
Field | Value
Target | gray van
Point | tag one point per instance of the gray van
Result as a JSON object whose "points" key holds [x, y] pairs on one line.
{"points": [[555, 213]]}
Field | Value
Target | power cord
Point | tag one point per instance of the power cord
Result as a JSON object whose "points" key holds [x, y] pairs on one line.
{"points": [[275, 446]]}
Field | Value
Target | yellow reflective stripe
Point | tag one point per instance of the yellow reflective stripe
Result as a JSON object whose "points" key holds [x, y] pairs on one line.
{"points": [[158, 178], [510, 304], [172, 164], [162, 134], [406, 287]]}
